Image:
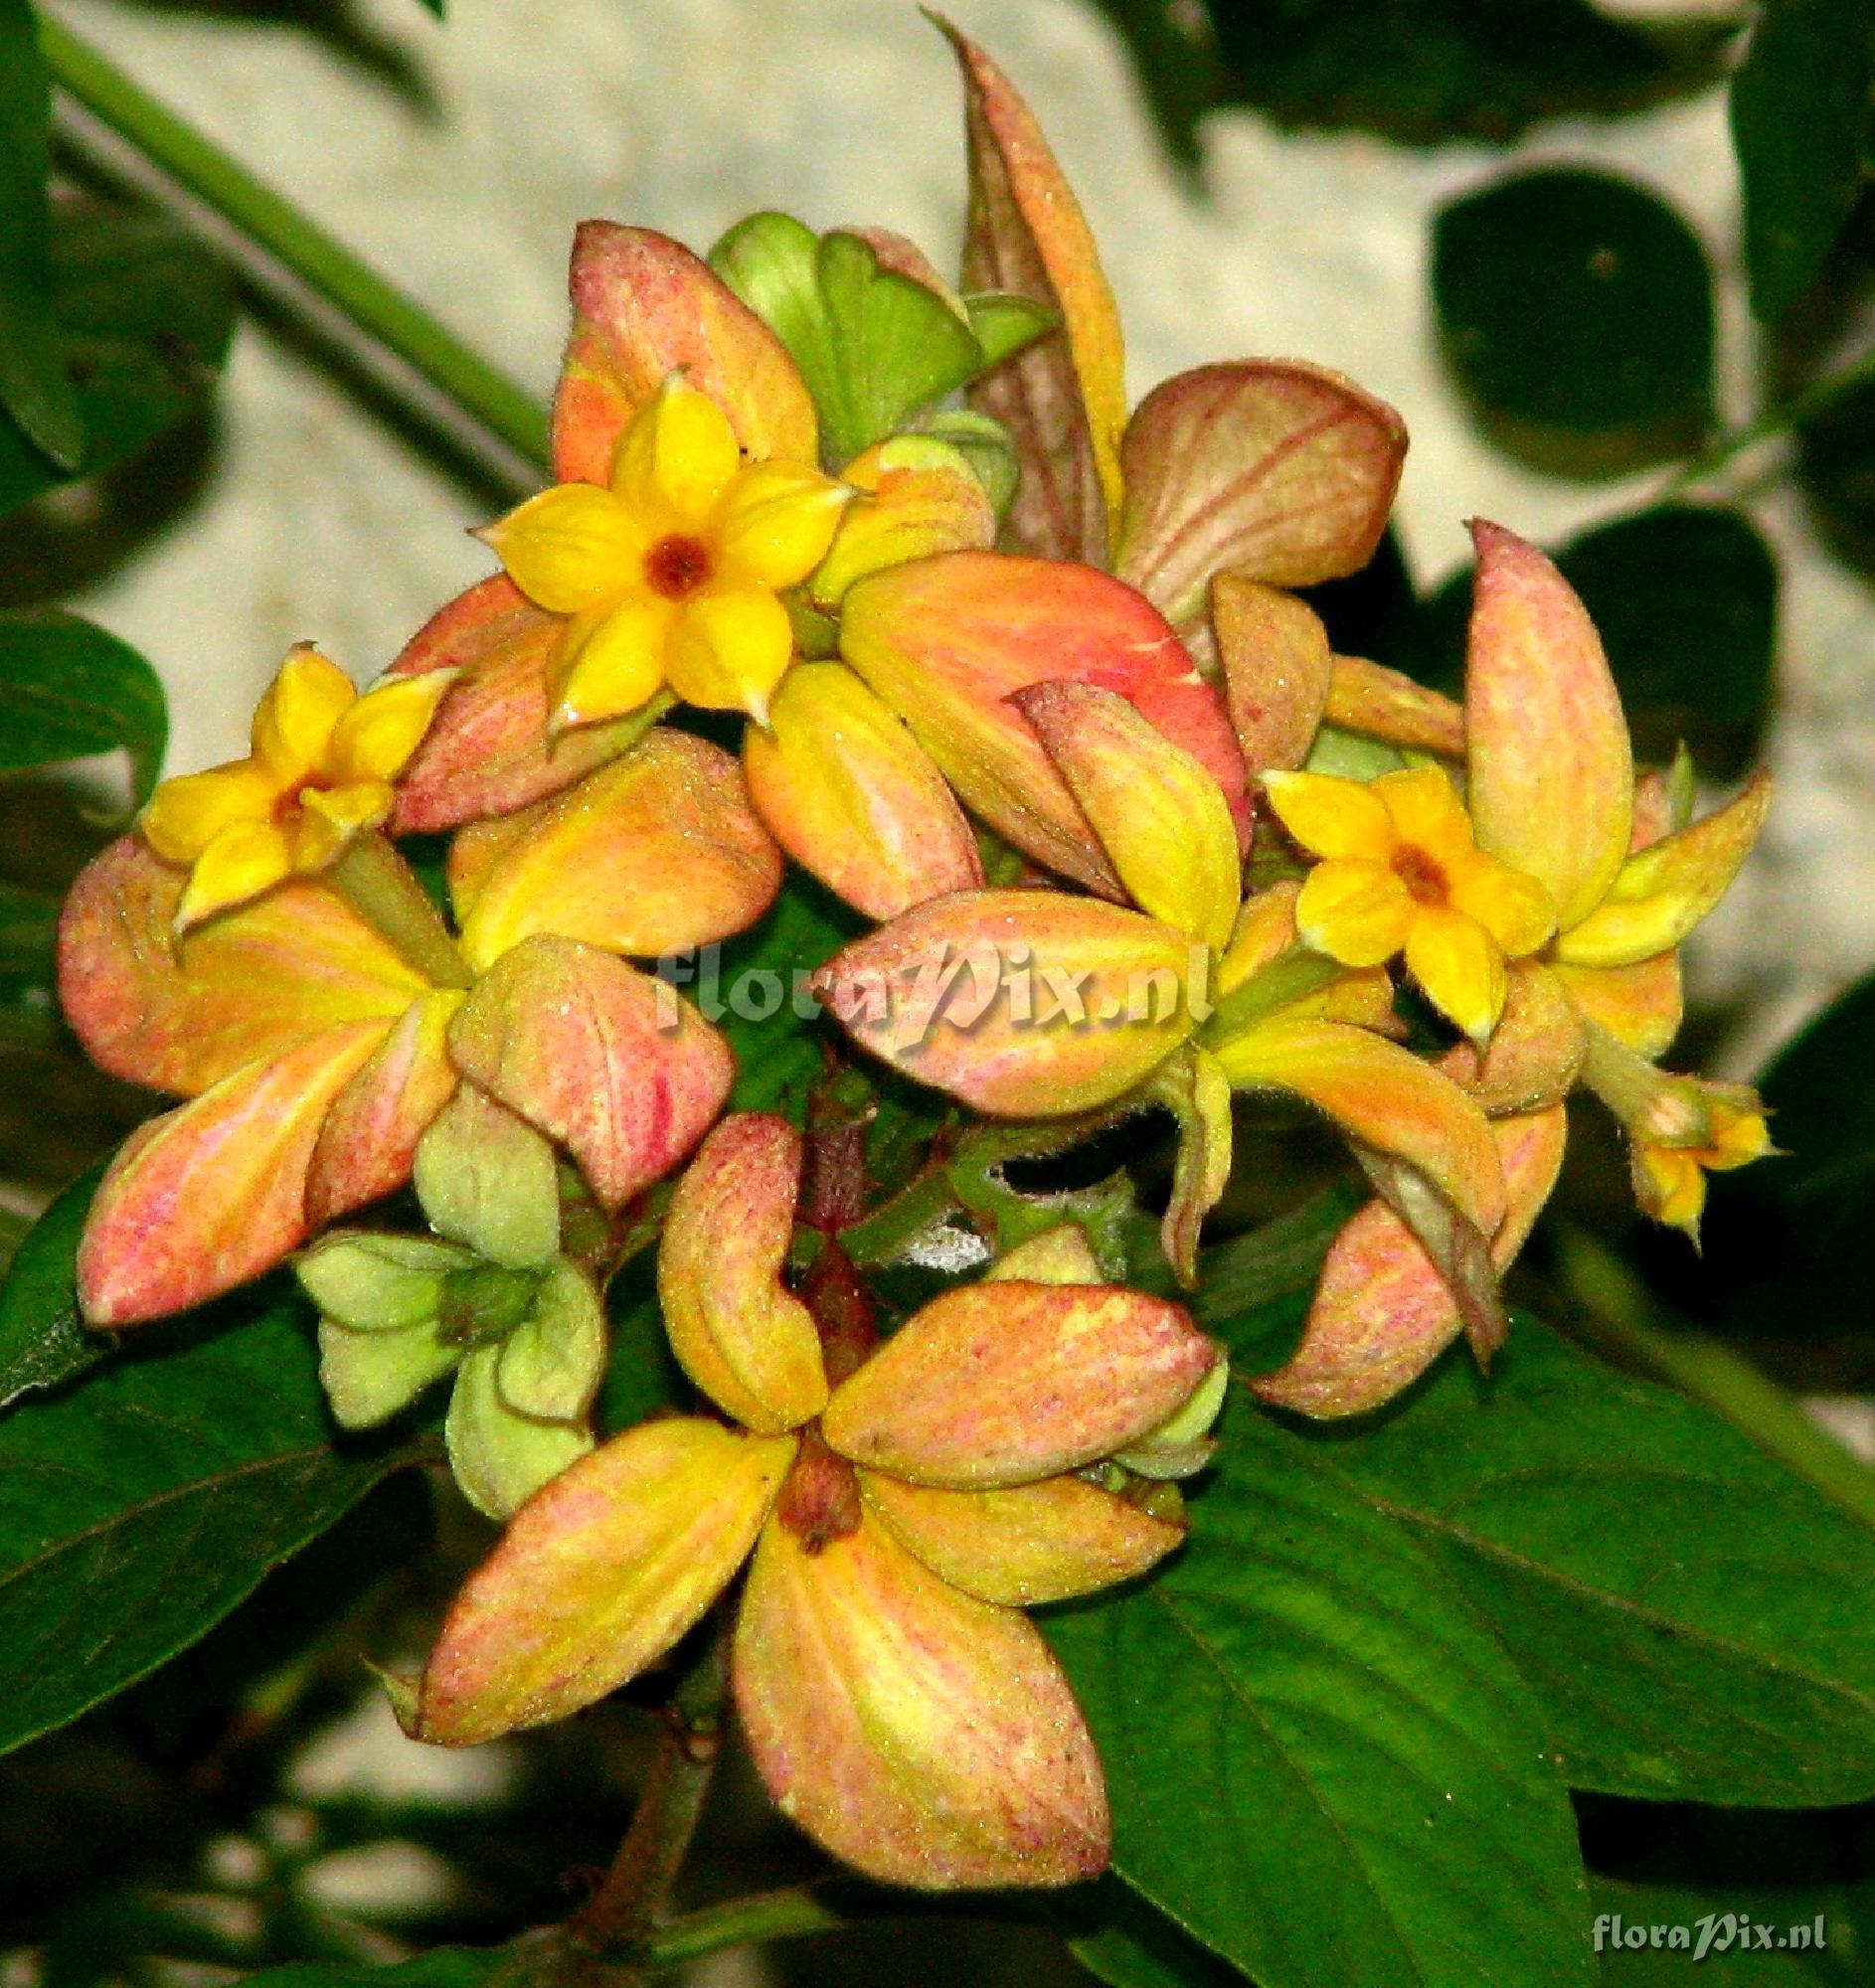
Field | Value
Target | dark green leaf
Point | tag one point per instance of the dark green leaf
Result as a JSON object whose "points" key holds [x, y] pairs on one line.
{"points": [[1717, 1926], [1575, 309], [1175, 52], [42, 1341], [1837, 464], [1800, 120], [1686, 602], [68, 689], [1321, 1763], [643, 1376], [1417, 71], [147, 313], [1692, 1616], [1788, 1239], [1687, 605], [29, 930], [1120, 1939], [34, 386], [140, 1505], [755, 990], [440, 1967]]}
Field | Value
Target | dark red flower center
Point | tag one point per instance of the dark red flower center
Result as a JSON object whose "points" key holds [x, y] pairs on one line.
{"points": [[677, 566], [1423, 874]]}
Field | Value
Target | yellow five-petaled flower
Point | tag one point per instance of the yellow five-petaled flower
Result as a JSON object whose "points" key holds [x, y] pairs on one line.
{"points": [[1401, 872], [319, 773], [673, 575]]}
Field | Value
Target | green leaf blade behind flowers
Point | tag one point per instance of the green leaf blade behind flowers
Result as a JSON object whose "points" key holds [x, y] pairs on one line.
{"points": [[43, 1340], [1575, 309], [1801, 126], [140, 1505], [440, 1967], [1322, 1764], [36, 386], [1692, 1618], [68, 689], [146, 314]]}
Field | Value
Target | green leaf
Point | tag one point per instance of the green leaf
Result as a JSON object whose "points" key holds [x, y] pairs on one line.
{"points": [[1417, 71], [42, 1341], [1121, 1941], [1716, 1927], [35, 384], [440, 1967], [1575, 309], [140, 1505], [68, 689], [1787, 1239], [29, 931], [1836, 462], [754, 989], [1686, 601], [1321, 1763], [147, 313], [873, 346], [1692, 1618], [1800, 123]]}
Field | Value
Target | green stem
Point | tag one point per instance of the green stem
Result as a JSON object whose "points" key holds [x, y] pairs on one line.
{"points": [[323, 264], [784, 1914], [1624, 1318], [1816, 399], [625, 1911]]}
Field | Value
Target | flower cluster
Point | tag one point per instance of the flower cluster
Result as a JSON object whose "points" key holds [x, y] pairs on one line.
{"points": [[1026, 683]]}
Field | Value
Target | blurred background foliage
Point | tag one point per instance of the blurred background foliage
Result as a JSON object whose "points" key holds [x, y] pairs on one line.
{"points": [[183, 1826]]}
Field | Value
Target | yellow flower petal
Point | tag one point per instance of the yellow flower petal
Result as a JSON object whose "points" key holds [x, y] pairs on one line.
{"points": [[1517, 910], [293, 725], [185, 815], [1330, 816], [1459, 965], [375, 738], [244, 859], [1669, 1186], [776, 523], [677, 454], [1355, 910], [1427, 812], [330, 816], [730, 648], [615, 661], [570, 549]]}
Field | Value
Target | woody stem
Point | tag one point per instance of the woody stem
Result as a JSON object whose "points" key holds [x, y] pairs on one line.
{"points": [[630, 1904]]}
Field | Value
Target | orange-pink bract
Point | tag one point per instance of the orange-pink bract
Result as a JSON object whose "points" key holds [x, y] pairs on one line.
{"points": [[899, 1511], [315, 1049]]}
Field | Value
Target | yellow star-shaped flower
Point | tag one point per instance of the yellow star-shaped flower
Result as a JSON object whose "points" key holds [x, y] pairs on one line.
{"points": [[319, 773], [673, 575], [1401, 872]]}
